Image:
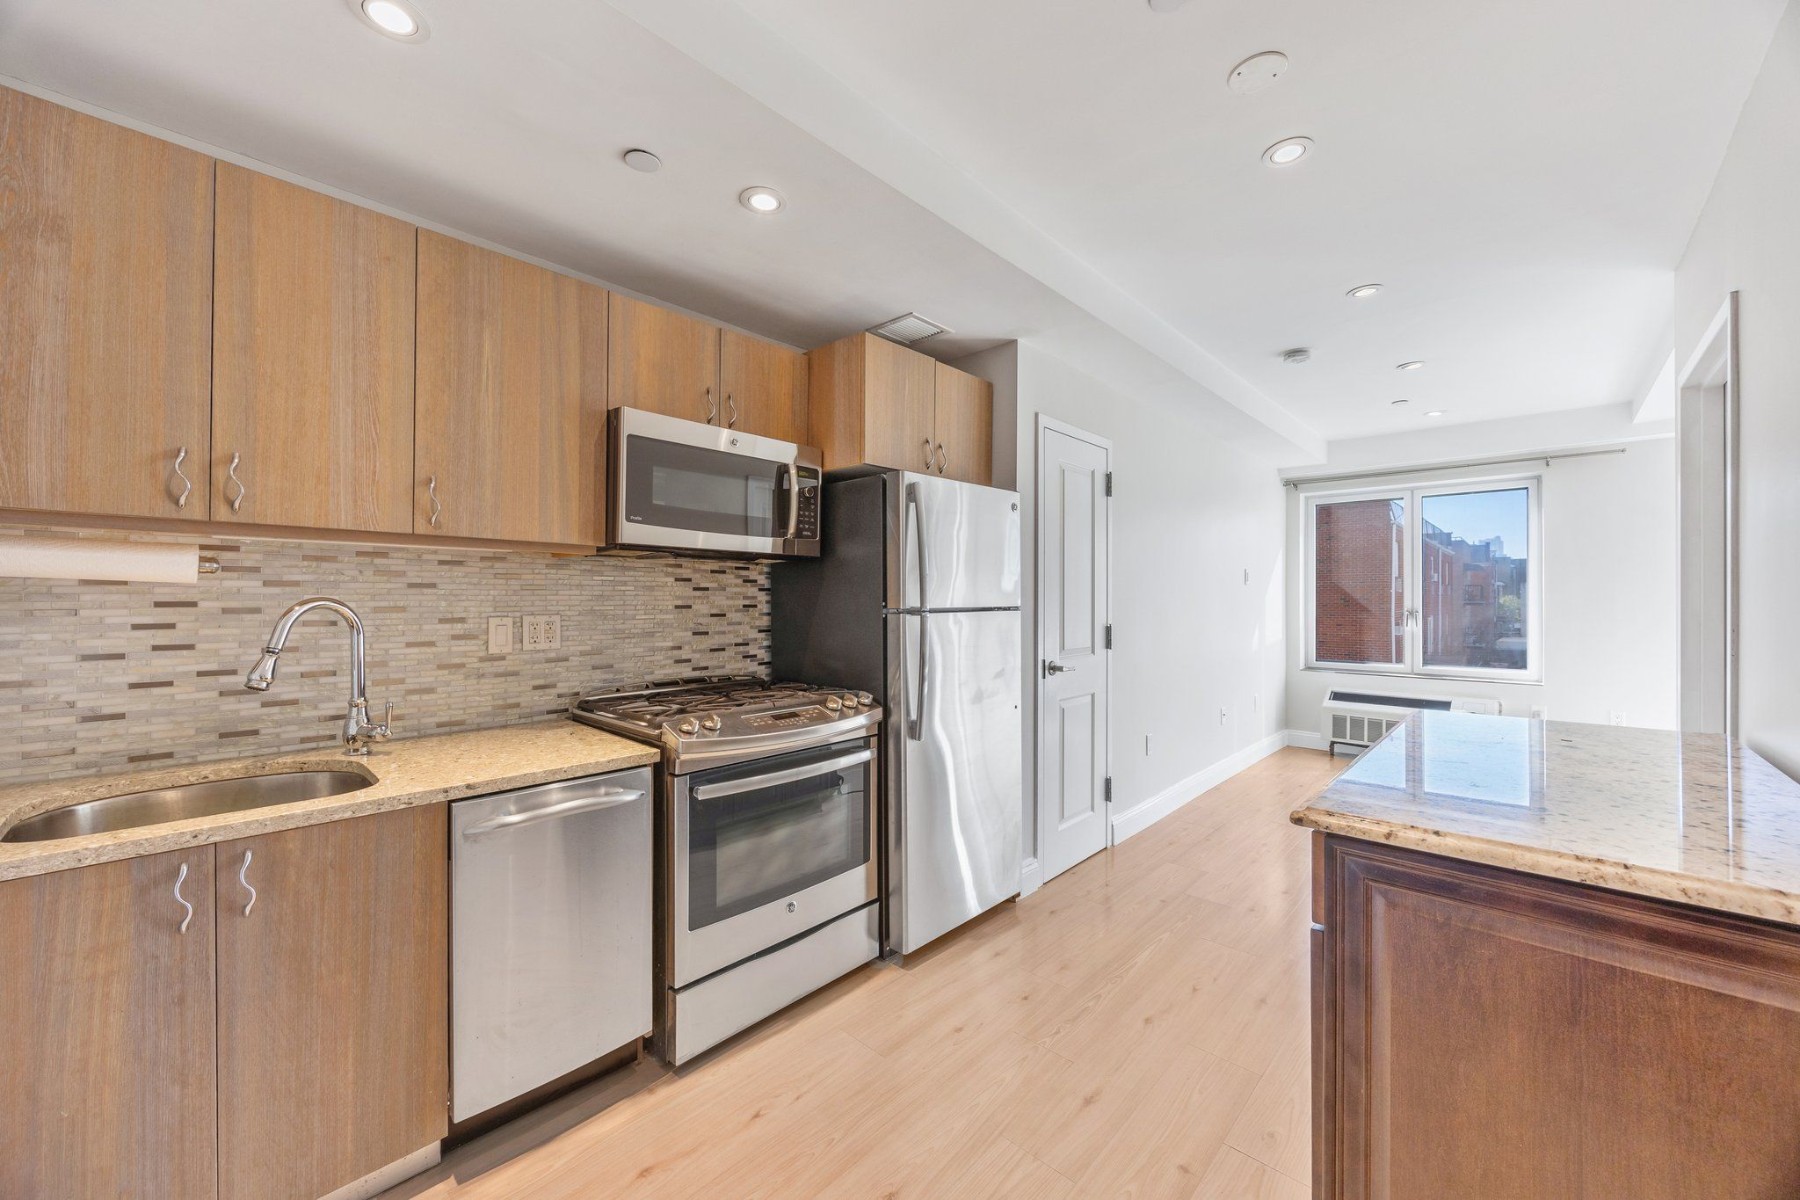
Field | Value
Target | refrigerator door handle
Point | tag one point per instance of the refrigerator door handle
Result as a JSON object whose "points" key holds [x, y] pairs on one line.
{"points": [[918, 528], [915, 719]]}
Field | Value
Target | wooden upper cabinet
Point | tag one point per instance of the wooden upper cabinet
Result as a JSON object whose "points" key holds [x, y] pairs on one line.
{"points": [[664, 361], [312, 359], [965, 426], [872, 401], [105, 294], [332, 1002], [764, 386], [511, 399], [106, 979]]}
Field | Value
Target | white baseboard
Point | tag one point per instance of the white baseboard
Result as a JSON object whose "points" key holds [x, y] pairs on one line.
{"points": [[1306, 739], [1031, 877], [1141, 817]]}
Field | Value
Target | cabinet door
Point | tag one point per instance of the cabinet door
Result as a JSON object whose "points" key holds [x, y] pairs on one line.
{"points": [[664, 362], [898, 413], [105, 315], [965, 426], [333, 1002], [312, 360], [764, 386], [512, 399], [106, 1081]]}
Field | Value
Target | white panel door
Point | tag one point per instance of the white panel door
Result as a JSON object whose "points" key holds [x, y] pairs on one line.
{"points": [[1074, 567]]}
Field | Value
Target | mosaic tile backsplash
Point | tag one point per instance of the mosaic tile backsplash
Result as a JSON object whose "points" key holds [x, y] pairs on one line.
{"points": [[98, 677]]}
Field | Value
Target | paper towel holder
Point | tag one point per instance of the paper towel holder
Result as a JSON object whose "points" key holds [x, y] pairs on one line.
{"points": [[209, 565]]}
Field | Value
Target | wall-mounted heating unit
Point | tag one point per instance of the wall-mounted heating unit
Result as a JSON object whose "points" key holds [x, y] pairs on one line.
{"points": [[1360, 719]]}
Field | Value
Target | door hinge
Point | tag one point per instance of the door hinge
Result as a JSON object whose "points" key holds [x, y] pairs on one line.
{"points": [[1109, 483], [1109, 635], [1109, 789]]}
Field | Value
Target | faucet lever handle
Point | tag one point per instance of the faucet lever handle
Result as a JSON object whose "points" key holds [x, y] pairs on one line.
{"points": [[387, 720]]}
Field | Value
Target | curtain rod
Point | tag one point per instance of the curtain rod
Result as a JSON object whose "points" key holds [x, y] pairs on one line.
{"points": [[1546, 459]]}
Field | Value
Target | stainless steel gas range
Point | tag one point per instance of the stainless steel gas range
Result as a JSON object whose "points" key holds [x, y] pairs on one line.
{"points": [[766, 845]]}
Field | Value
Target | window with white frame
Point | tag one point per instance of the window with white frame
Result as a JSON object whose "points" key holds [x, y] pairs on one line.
{"points": [[1428, 580]]}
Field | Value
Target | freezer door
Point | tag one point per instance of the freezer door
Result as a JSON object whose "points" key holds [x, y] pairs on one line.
{"points": [[954, 800], [958, 544]]}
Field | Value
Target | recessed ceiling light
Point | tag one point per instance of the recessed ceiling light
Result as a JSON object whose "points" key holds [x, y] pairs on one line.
{"points": [[761, 199], [1296, 356], [1287, 151], [1434, 413], [642, 160], [1364, 292], [396, 18], [1414, 365]]}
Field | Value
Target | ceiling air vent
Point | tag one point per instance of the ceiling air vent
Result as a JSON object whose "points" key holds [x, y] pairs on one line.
{"points": [[908, 329]]}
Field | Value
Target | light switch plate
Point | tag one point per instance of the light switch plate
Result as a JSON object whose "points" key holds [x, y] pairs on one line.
{"points": [[500, 635]]}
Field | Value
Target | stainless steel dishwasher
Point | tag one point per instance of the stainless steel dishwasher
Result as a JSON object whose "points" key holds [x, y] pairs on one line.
{"points": [[550, 939]]}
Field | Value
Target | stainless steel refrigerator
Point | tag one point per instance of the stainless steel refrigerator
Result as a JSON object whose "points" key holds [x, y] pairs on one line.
{"points": [[915, 599]]}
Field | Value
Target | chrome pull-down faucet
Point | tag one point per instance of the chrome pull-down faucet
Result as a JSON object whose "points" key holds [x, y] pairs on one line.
{"points": [[359, 731]]}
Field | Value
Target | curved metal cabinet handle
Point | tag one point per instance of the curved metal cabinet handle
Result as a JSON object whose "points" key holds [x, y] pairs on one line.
{"points": [[943, 459], [187, 485], [180, 877], [245, 883], [731, 405], [928, 454], [437, 507], [232, 480], [712, 407]]}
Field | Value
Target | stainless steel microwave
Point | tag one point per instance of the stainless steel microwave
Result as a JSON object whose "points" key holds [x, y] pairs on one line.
{"points": [[682, 485]]}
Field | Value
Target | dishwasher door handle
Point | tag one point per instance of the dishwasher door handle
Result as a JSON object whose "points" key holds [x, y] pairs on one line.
{"points": [[606, 798]]}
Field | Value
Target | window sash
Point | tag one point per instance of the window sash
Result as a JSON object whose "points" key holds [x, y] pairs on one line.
{"points": [[1412, 500]]}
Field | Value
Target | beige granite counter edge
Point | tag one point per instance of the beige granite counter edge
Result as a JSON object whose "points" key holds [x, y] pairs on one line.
{"points": [[598, 753], [1746, 900]]}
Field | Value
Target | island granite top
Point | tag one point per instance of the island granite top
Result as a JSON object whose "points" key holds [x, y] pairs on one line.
{"points": [[1691, 818]]}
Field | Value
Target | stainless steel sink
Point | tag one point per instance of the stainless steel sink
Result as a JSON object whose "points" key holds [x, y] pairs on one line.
{"points": [[210, 799]]}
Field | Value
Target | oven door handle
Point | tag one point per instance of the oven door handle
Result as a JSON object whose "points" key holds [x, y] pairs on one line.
{"points": [[606, 798], [709, 791]]}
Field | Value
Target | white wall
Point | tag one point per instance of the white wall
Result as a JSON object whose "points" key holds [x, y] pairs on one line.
{"points": [[1191, 515], [1611, 607], [1748, 240]]}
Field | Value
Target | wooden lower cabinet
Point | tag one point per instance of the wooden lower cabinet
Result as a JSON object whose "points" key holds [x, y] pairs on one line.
{"points": [[333, 994], [106, 1074], [1486, 1033]]}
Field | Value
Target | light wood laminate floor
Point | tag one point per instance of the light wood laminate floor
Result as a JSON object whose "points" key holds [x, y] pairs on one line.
{"points": [[1137, 1027]]}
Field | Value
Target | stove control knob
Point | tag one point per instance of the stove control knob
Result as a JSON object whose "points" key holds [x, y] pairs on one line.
{"points": [[848, 699], [711, 724], [688, 726], [832, 703], [864, 698]]}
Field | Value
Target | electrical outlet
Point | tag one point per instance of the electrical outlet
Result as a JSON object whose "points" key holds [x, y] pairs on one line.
{"points": [[543, 632], [1224, 713], [500, 635], [1616, 717]]}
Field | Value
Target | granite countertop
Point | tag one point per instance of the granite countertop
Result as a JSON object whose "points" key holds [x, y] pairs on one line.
{"points": [[407, 772], [1691, 818]]}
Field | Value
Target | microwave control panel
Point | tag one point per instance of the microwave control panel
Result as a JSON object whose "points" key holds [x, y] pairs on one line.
{"points": [[806, 487]]}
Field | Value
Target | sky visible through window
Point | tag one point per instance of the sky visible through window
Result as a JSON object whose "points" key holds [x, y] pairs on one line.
{"points": [[1477, 516]]}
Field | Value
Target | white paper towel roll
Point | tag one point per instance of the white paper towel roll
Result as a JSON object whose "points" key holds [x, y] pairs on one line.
{"points": [[85, 558]]}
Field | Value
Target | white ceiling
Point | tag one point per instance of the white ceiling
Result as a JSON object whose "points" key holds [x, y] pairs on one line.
{"points": [[1521, 176]]}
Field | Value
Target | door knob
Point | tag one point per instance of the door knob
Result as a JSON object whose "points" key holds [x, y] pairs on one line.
{"points": [[1052, 667]]}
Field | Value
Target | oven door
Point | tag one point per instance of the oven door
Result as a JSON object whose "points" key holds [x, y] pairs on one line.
{"points": [[687, 486], [765, 851]]}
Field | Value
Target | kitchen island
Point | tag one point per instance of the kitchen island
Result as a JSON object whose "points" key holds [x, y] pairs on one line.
{"points": [[1553, 959]]}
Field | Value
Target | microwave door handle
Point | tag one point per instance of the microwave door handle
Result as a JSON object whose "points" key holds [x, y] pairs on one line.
{"points": [[793, 500], [711, 791]]}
